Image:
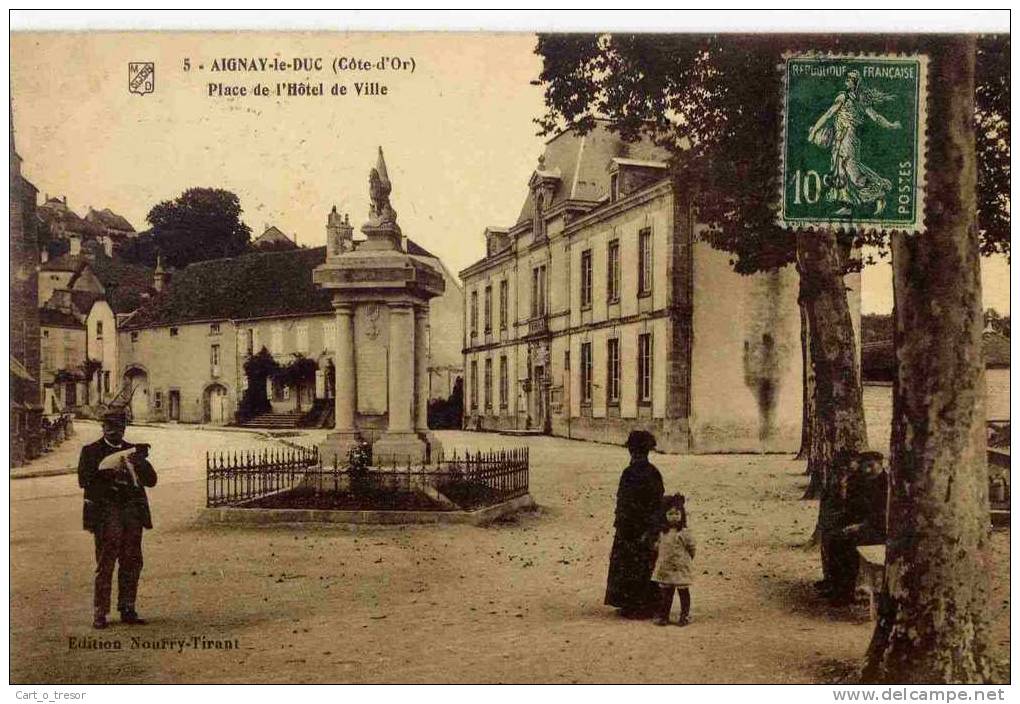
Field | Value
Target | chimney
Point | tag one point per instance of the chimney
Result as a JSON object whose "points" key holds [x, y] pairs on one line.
{"points": [[63, 199], [44, 255], [75, 242], [161, 277], [61, 300], [108, 246], [339, 233]]}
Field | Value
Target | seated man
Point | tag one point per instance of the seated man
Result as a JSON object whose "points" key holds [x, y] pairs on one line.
{"points": [[867, 490]]}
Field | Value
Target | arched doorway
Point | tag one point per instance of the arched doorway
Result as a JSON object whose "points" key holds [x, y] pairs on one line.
{"points": [[138, 381], [214, 402]]}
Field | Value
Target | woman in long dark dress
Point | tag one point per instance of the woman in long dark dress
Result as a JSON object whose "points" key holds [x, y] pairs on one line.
{"points": [[638, 508]]}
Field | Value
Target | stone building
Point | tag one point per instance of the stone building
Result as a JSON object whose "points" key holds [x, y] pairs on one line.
{"points": [[98, 291], [62, 361], [25, 392], [112, 226], [183, 352], [273, 239], [601, 310], [62, 231]]}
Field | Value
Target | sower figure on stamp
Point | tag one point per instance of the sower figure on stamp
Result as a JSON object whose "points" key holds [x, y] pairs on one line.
{"points": [[114, 475], [638, 518]]}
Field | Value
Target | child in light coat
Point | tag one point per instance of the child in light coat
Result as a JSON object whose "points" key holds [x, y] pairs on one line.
{"points": [[674, 565]]}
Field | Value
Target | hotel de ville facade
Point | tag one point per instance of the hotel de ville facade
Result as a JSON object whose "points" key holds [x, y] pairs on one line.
{"points": [[601, 311]]}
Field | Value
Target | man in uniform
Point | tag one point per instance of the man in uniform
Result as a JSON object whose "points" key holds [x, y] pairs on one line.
{"points": [[114, 475]]}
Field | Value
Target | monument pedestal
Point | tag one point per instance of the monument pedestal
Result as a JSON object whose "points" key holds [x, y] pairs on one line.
{"points": [[399, 449], [381, 297], [337, 447]]}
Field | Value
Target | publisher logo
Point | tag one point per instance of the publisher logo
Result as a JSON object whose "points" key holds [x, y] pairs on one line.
{"points": [[141, 77]]}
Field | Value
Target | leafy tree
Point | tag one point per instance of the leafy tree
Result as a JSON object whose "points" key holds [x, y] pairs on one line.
{"points": [[140, 249], [448, 412], [257, 369], [992, 113], [297, 372], [714, 101], [200, 224], [933, 621]]}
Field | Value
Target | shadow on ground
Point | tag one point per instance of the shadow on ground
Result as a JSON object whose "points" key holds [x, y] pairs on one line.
{"points": [[798, 596]]}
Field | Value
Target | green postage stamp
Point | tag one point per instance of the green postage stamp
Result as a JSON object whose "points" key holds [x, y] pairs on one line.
{"points": [[854, 142]]}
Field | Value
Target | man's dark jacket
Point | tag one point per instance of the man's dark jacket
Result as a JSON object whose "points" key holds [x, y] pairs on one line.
{"points": [[101, 490]]}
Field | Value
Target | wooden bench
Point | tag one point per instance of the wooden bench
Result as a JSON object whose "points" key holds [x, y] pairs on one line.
{"points": [[871, 574]]}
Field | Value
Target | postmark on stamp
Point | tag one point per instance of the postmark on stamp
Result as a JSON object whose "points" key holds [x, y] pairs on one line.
{"points": [[854, 142]]}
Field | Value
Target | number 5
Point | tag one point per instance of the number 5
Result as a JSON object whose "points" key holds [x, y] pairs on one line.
{"points": [[187, 64]]}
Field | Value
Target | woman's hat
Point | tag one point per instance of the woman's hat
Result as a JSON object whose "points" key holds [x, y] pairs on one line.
{"points": [[640, 440]]}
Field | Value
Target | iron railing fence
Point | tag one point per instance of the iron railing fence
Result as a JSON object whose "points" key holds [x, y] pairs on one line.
{"points": [[465, 481], [233, 477], [473, 480]]}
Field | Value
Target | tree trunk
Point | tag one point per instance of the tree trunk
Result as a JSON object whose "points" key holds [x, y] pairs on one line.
{"points": [[932, 623], [808, 388], [838, 405]]}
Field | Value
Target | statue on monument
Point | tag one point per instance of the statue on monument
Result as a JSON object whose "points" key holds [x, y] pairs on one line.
{"points": [[380, 213]]}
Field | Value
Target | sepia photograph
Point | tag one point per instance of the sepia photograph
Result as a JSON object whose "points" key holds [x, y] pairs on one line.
{"points": [[474, 349]]}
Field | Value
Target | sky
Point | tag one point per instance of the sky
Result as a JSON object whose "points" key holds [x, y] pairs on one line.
{"points": [[457, 132]]}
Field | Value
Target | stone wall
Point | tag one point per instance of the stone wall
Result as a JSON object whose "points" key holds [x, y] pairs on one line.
{"points": [[181, 363], [746, 358], [102, 348]]}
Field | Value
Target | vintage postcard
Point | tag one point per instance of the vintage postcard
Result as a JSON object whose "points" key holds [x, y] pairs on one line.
{"points": [[486, 357]]}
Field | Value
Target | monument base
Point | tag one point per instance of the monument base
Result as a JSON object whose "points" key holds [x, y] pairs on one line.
{"points": [[337, 448], [399, 448]]}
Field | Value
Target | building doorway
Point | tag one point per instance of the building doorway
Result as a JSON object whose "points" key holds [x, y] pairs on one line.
{"points": [[214, 403], [138, 382], [70, 394], [538, 394], [174, 399]]}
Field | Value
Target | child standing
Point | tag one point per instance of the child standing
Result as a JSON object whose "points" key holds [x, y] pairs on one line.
{"points": [[673, 566]]}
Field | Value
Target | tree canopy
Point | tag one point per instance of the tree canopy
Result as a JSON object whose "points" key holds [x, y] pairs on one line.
{"points": [[992, 94], [200, 224], [715, 102]]}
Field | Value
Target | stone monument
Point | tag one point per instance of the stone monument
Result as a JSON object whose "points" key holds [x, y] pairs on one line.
{"points": [[381, 298]]}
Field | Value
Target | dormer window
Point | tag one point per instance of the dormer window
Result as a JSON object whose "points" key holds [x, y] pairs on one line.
{"points": [[627, 176], [539, 210], [543, 185]]}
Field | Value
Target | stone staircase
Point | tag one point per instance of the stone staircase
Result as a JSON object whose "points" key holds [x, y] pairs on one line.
{"points": [[275, 421]]}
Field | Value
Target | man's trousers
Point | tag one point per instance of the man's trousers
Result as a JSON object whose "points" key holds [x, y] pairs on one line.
{"points": [[118, 538]]}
